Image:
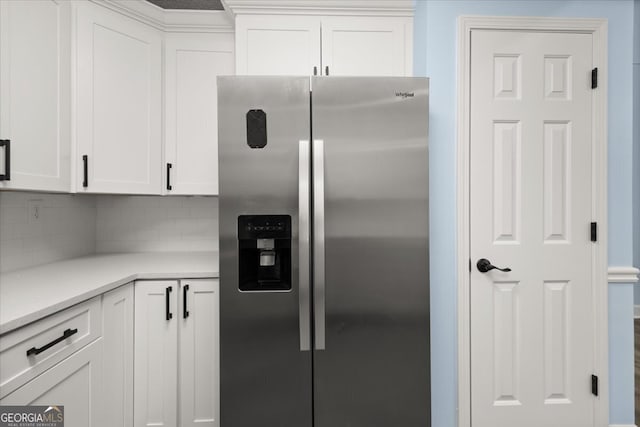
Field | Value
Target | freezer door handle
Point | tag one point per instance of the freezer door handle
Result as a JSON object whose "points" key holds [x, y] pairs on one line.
{"points": [[304, 299], [318, 244]]}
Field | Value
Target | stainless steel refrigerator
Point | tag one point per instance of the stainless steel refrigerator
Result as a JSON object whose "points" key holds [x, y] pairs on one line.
{"points": [[324, 252]]}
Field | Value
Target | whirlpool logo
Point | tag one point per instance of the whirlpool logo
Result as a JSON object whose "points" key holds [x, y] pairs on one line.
{"points": [[405, 95], [31, 416]]}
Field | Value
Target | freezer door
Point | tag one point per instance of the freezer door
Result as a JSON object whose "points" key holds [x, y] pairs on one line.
{"points": [[265, 362], [371, 252]]}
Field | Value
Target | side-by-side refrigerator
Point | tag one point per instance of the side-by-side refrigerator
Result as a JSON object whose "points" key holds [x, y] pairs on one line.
{"points": [[324, 252]]}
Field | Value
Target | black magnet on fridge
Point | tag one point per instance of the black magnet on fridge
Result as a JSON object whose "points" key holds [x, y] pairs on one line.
{"points": [[256, 128]]}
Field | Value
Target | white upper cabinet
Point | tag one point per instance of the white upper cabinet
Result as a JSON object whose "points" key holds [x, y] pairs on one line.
{"points": [[35, 48], [119, 95], [306, 37], [371, 46], [277, 45], [192, 63]]}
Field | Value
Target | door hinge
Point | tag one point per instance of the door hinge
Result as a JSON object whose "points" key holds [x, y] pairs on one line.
{"points": [[594, 78], [594, 385], [594, 231]]}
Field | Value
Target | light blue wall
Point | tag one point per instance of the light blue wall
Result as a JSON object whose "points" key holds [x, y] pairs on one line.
{"points": [[636, 138], [435, 56]]}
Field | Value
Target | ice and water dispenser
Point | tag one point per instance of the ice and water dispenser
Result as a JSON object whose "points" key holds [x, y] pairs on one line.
{"points": [[264, 244]]}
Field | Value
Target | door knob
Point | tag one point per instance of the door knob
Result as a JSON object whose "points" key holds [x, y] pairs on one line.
{"points": [[485, 265]]}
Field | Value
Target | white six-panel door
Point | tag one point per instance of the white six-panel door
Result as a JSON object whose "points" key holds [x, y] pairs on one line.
{"points": [[532, 329]]}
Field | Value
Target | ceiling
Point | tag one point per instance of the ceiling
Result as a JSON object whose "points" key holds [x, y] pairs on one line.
{"points": [[189, 4]]}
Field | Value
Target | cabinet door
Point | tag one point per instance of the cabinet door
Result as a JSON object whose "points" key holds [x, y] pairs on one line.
{"points": [[117, 364], [35, 93], [192, 64], [118, 116], [73, 383], [277, 45], [199, 353], [155, 354], [367, 46]]}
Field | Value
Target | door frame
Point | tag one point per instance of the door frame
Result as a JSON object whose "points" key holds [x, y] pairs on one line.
{"points": [[598, 29]]}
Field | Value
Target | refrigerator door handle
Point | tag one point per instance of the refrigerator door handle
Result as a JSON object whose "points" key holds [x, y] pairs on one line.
{"points": [[318, 244], [304, 298]]}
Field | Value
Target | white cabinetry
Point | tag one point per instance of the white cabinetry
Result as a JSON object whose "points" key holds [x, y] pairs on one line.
{"points": [[119, 95], [176, 321], [57, 361], [35, 49], [117, 363], [371, 46], [199, 355], [277, 45], [192, 63], [155, 354], [333, 45], [73, 383]]}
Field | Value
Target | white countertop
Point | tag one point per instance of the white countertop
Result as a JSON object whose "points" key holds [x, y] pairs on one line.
{"points": [[32, 293]]}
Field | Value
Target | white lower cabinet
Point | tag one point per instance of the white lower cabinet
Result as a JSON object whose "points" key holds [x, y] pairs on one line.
{"points": [[73, 383], [117, 363], [176, 337], [199, 357]]}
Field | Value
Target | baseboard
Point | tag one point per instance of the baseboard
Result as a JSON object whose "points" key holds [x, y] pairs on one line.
{"points": [[622, 425], [636, 311]]}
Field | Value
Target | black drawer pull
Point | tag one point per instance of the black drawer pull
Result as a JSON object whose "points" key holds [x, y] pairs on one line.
{"points": [[167, 291], [185, 311], [66, 334], [6, 143]]}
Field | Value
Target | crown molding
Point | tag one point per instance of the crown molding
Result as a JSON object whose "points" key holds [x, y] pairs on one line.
{"points": [[623, 275], [214, 21], [321, 7]]}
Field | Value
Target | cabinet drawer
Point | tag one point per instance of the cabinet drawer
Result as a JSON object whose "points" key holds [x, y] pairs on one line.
{"points": [[47, 341]]}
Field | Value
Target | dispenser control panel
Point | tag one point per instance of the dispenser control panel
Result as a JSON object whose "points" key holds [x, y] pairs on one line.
{"points": [[264, 227], [264, 245]]}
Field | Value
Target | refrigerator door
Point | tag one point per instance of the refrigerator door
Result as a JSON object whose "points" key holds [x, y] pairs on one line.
{"points": [[371, 258], [265, 363]]}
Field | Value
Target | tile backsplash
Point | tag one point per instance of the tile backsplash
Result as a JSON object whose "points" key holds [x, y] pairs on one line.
{"points": [[156, 224], [38, 228]]}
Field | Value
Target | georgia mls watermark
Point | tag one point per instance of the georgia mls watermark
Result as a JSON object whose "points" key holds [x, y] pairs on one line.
{"points": [[31, 416]]}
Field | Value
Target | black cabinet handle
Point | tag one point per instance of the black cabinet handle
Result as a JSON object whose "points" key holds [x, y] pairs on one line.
{"points": [[167, 293], [85, 176], [185, 311], [6, 143], [66, 334], [326, 70], [315, 71], [485, 265], [169, 166]]}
